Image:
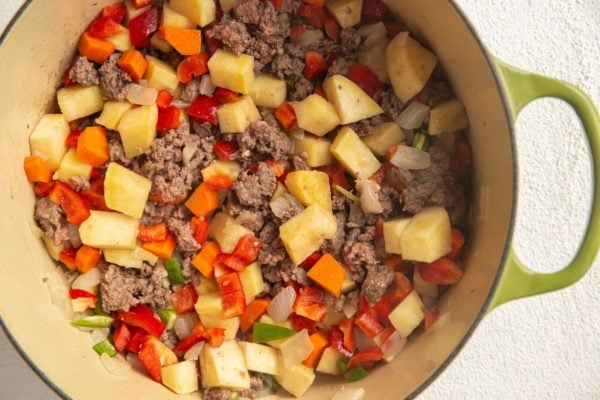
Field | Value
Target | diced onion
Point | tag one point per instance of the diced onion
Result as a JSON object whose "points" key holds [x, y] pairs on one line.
{"points": [[296, 349], [144, 96], [184, 325], [308, 37], [74, 234], [59, 290], [350, 394], [297, 133], [194, 352], [413, 116], [372, 33], [349, 310], [88, 281], [369, 201], [116, 365], [281, 306], [410, 158], [280, 205], [188, 153], [362, 340], [392, 346], [180, 104], [206, 87], [99, 334]]}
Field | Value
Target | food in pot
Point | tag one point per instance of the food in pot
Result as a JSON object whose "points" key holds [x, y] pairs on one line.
{"points": [[244, 194]]}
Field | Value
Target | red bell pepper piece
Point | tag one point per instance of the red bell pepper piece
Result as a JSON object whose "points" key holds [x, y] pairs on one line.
{"points": [[204, 109], [373, 11], [137, 337], [394, 262], [296, 30], [42, 189], [365, 78], [224, 96], [184, 299], [430, 317], [67, 81], [313, 15], [94, 200], [337, 175], [116, 12], [366, 358], [215, 336], [154, 355], [349, 342], [213, 44], [315, 65], [164, 98], [337, 341], [312, 259], [143, 317], [219, 182], [458, 241], [232, 295], [73, 138], [383, 308], [121, 336], [67, 257], [248, 247], [168, 118], [331, 26], [102, 27], [192, 66], [286, 116], [200, 229], [77, 293], [142, 27], [198, 334], [153, 233], [224, 149], [231, 261], [368, 324], [442, 272], [221, 269], [299, 322], [71, 202], [277, 4], [310, 303]]}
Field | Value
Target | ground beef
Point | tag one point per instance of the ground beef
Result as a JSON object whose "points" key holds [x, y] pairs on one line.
{"points": [[339, 66], [349, 42], [274, 253], [51, 219], [216, 394], [287, 207], [84, 73], [256, 384], [252, 218], [233, 34], [391, 104], [367, 126], [357, 218], [359, 252], [347, 303], [286, 66], [379, 277], [262, 14], [255, 188], [123, 288], [435, 93], [300, 163], [189, 272], [182, 230], [191, 90], [389, 198], [155, 213], [114, 82], [285, 271], [336, 243], [338, 202], [79, 183], [115, 149], [265, 138]]}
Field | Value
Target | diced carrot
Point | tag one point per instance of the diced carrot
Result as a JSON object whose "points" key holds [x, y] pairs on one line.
{"points": [[320, 342], [329, 274], [205, 260], [219, 182], [253, 312], [92, 146], [87, 258], [134, 63], [458, 241], [187, 42], [200, 229], [37, 170], [94, 49], [162, 249], [203, 201], [154, 233]]}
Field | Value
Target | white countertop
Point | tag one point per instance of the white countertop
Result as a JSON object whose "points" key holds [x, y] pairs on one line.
{"points": [[546, 347]]}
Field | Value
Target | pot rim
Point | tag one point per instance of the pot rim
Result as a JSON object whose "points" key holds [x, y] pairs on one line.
{"points": [[503, 259]]}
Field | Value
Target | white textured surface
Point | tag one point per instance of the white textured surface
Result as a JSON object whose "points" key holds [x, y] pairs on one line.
{"points": [[545, 347]]}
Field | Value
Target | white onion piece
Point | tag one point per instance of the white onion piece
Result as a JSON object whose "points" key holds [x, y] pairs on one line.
{"points": [[369, 201], [206, 87], [392, 346], [280, 205], [350, 394], [74, 234], [349, 310], [413, 116], [363, 341], [184, 325], [58, 289], [135, 362], [99, 334], [180, 104], [410, 158], [372, 33], [141, 95], [116, 365], [88, 281], [281, 306], [143, 82], [194, 352], [188, 152], [296, 349], [308, 37]]}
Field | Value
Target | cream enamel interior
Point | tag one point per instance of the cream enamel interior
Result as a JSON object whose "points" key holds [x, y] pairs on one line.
{"points": [[32, 58]]}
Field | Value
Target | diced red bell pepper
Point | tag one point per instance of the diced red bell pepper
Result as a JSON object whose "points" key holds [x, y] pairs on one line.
{"points": [[219, 182], [77, 293], [121, 336], [337, 175], [224, 149], [184, 299], [402, 287], [458, 241], [200, 228], [67, 257], [232, 295], [93, 200], [116, 12], [337, 341], [443, 271], [73, 138], [137, 337], [248, 247], [430, 317], [313, 15], [221, 269], [383, 308], [319, 90], [286, 116], [315, 65], [368, 324], [154, 355], [198, 334], [102, 27], [140, 317], [373, 11], [275, 166], [192, 66], [67, 81], [141, 3], [310, 303], [312, 259], [277, 4], [349, 342], [331, 26], [168, 118], [366, 358], [365, 78], [299, 322], [212, 44], [394, 262], [153, 233], [296, 30], [204, 109], [230, 283], [164, 98], [215, 336], [231, 261], [224, 96], [142, 27], [71, 202], [42, 189]]}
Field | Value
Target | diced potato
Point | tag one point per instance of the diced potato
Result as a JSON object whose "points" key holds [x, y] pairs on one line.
{"points": [[392, 232], [235, 117], [232, 72], [160, 75], [408, 314], [428, 236], [126, 191], [446, 117], [252, 281], [228, 168], [133, 12], [201, 12], [310, 187], [316, 115], [348, 284], [385, 136], [172, 19], [351, 103], [295, 380], [121, 40], [316, 149], [138, 129], [209, 304], [305, 233], [328, 362], [409, 66], [224, 366], [48, 139], [109, 230], [228, 5], [231, 325], [182, 378], [423, 287], [144, 255], [112, 113], [227, 232], [353, 154], [332, 317], [161, 44], [206, 285], [129, 258], [72, 166], [260, 358], [268, 91], [373, 56], [79, 101], [54, 250], [346, 12]]}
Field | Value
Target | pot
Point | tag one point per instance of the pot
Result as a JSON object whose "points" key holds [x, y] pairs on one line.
{"points": [[493, 93]]}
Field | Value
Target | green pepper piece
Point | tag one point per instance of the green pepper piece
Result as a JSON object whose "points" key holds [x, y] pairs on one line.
{"points": [[174, 270], [266, 332], [98, 309], [420, 141], [94, 321], [235, 396], [105, 347], [346, 193], [355, 374], [342, 365], [167, 316]]}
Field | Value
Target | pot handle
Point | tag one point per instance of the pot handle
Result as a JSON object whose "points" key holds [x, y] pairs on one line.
{"points": [[518, 280]]}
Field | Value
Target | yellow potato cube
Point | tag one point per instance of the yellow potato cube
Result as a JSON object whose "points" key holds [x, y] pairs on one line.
{"points": [[268, 91], [172, 19], [346, 12], [328, 362], [218, 167], [160, 75], [409, 66], [351, 103], [252, 281], [295, 380], [353, 154], [408, 314], [112, 113], [72, 166], [206, 285], [201, 12], [224, 366], [209, 304], [372, 52], [129, 258], [385, 136], [126, 191], [121, 40], [109, 230], [449, 116], [231, 325], [235, 117], [48, 139], [182, 378], [79, 101], [310, 187], [392, 232], [428, 236], [138, 129], [260, 358], [53, 249], [316, 150], [160, 43], [316, 115], [232, 72], [227, 232]]}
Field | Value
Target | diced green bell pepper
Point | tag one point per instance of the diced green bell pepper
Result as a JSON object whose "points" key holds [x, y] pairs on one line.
{"points": [[355, 374], [266, 332], [173, 268], [94, 321], [105, 347], [167, 316]]}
